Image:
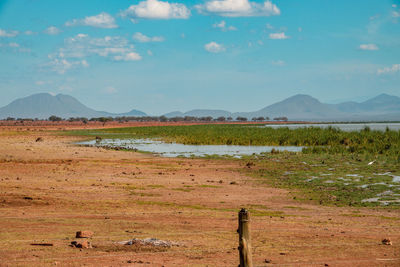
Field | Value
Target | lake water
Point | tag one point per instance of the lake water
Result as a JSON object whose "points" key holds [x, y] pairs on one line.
{"points": [[174, 150], [342, 126]]}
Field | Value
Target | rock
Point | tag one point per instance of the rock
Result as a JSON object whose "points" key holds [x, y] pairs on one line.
{"points": [[387, 242], [84, 234], [39, 139], [81, 244], [149, 241]]}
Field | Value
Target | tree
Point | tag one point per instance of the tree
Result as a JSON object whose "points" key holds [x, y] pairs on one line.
{"points": [[222, 118], [241, 119], [54, 118], [163, 119], [104, 120], [281, 119]]}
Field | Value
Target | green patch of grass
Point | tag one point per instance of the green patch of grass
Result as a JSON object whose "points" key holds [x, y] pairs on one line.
{"points": [[183, 189], [295, 208], [141, 194], [263, 213], [209, 186], [155, 186]]}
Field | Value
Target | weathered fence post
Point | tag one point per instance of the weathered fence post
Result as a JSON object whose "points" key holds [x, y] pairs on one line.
{"points": [[244, 239]]}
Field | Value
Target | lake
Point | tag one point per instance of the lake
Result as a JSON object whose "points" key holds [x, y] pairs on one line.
{"points": [[175, 150]]}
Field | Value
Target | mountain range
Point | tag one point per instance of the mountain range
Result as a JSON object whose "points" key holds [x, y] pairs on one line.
{"points": [[308, 108], [298, 107], [44, 105]]}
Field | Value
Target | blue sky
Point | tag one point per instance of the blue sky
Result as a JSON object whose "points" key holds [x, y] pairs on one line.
{"points": [[162, 56]]}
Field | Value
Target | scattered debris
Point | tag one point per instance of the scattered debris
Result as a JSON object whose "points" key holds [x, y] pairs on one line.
{"points": [[387, 242], [149, 242], [84, 234]]}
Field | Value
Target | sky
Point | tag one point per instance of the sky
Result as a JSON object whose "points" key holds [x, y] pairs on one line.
{"points": [[162, 56]]}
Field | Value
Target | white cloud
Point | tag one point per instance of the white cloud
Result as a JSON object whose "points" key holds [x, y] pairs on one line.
{"points": [[83, 45], [214, 47], [110, 90], [394, 68], [394, 5], [14, 47], [132, 56], [369, 47], [140, 37], [222, 26], [278, 36], [278, 63], [300, 29], [29, 33], [149, 52], [62, 65], [102, 20], [52, 30], [84, 63], [40, 83], [396, 14], [154, 9], [269, 26], [238, 8], [4, 33], [76, 49]]}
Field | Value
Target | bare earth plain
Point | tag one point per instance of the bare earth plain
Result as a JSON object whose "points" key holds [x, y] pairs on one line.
{"points": [[51, 189]]}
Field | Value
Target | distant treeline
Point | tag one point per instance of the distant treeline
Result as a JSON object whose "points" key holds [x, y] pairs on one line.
{"points": [[151, 119]]}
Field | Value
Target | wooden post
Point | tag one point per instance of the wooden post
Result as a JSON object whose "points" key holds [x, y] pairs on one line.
{"points": [[244, 239]]}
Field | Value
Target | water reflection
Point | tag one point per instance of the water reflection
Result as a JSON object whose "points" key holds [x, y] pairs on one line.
{"points": [[174, 150]]}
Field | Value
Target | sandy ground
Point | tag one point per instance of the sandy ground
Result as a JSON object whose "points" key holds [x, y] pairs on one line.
{"points": [[51, 189]]}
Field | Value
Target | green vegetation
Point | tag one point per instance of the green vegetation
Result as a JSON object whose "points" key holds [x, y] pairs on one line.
{"points": [[329, 179], [316, 140]]}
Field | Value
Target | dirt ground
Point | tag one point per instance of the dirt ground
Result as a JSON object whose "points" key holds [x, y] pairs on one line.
{"points": [[53, 188]]}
